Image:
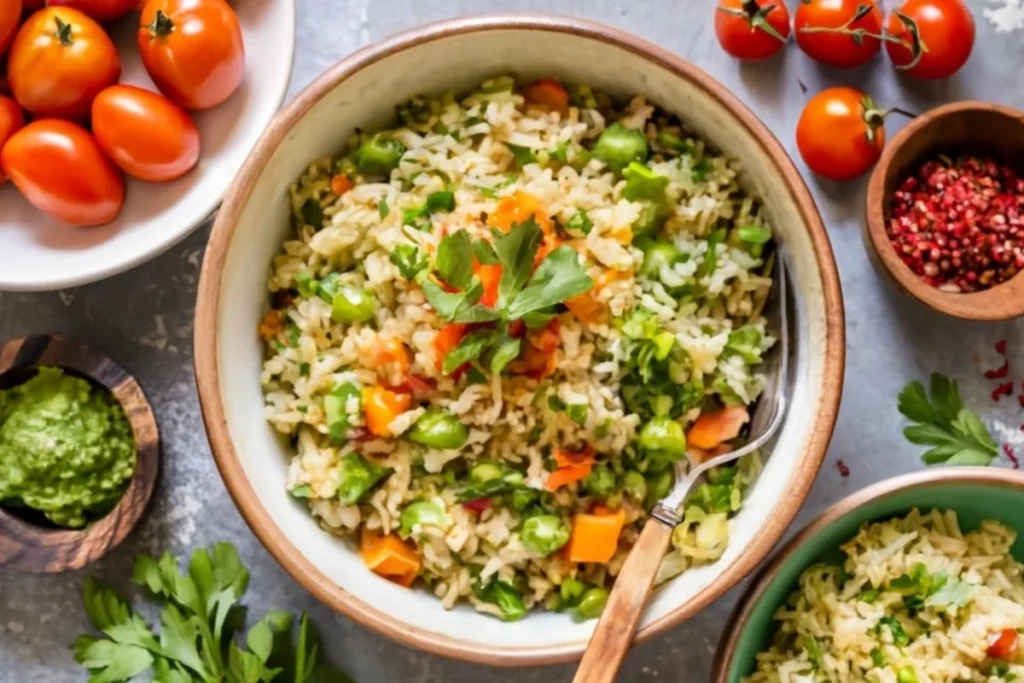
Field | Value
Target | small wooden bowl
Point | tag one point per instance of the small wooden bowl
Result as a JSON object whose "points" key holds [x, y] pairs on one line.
{"points": [[973, 127], [31, 548]]}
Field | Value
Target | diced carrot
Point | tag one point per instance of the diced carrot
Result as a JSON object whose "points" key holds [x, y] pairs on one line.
{"points": [[415, 385], [547, 93], [392, 350], [586, 306], [564, 476], [623, 235], [490, 277], [547, 245], [341, 183], [271, 325], [548, 339], [389, 557], [712, 429], [382, 407], [595, 536], [516, 208], [447, 339]]}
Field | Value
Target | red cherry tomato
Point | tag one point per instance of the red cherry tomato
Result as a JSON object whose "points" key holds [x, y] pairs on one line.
{"points": [[144, 133], [1003, 645], [840, 133], [748, 30], [12, 119], [61, 170], [59, 60], [193, 50], [31, 5], [945, 37], [100, 10], [839, 33], [10, 19]]}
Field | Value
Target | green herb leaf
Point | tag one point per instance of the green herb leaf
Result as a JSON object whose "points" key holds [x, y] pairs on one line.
{"points": [[454, 260], [899, 634], [522, 155], [580, 223], [516, 252], [469, 349], [383, 209], [110, 662], [440, 202], [955, 433], [952, 593], [708, 266], [457, 307], [506, 597], [814, 652], [506, 349], [558, 277], [409, 259], [484, 253], [312, 214]]}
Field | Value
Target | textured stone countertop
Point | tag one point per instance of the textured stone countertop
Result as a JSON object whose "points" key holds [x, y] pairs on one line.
{"points": [[144, 319]]}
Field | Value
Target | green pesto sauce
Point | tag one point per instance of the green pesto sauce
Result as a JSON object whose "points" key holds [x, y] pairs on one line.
{"points": [[66, 448]]}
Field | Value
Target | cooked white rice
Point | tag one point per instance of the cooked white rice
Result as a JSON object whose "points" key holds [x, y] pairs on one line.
{"points": [[916, 599], [514, 420]]}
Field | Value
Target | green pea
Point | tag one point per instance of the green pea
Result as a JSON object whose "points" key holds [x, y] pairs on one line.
{"points": [[357, 476], [379, 155], [571, 589], [485, 471], [664, 436], [421, 514], [600, 482], [592, 603], [635, 485], [658, 253], [619, 145], [906, 675], [439, 429], [524, 498], [658, 486], [544, 534], [514, 477], [352, 305], [580, 223]]}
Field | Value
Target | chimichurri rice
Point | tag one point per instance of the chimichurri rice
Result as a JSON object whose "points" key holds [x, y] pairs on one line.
{"points": [[498, 324]]}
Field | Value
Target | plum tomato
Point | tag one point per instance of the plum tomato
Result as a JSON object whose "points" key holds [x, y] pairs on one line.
{"points": [[10, 20], [61, 170], [144, 133], [839, 33], [840, 133], [193, 50], [930, 38], [750, 30], [59, 61], [12, 119]]}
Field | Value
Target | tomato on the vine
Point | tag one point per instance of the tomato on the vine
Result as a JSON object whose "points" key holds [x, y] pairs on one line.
{"points": [[193, 50], [144, 133], [61, 170], [931, 38], [839, 33], [12, 119], [749, 30], [840, 133], [59, 60], [100, 10]]}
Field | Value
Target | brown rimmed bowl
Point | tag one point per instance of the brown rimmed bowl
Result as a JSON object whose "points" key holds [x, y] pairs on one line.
{"points": [[975, 493], [31, 547], [362, 91], [963, 127]]}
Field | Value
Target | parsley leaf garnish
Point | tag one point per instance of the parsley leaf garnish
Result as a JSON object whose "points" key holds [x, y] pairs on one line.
{"points": [[454, 261], [955, 434], [559, 277], [198, 623]]}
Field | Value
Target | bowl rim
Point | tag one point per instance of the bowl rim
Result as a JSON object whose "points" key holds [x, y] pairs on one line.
{"points": [[1001, 302], [735, 625], [206, 363]]}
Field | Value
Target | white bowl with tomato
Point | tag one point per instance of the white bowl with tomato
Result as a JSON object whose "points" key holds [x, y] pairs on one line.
{"points": [[122, 124]]}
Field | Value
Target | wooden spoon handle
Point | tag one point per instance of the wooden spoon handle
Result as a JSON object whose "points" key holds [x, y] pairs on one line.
{"points": [[614, 632]]}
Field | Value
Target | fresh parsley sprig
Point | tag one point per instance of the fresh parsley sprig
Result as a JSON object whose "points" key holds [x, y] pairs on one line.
{"points": [[199, 622], [955, 434]]}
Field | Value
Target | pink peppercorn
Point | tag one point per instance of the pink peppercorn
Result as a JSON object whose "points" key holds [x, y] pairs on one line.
{"points": [[960, 225]]}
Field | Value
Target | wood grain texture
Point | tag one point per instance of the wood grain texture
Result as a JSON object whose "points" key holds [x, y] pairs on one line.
{"points": [[614, 633], [30, 548], [971, 127]]}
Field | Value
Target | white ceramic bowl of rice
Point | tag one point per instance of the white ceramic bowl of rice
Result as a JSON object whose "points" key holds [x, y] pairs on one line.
{"points": [[288, 409]]}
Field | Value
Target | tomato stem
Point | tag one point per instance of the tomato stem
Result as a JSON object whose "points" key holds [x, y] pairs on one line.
{"points": [[858, 34], [63, 32], [162, 25], [917, 45], [874, 116], [756, 16]]}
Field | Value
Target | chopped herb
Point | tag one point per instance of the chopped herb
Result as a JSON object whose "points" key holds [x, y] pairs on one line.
{"points": [[409, 260], [383, 209], [814, 653], [708, 266], [305, 284], [955, 434], [556, 404], [899, 635], [304, 369], [474, 376], [506, 349], [301, 492], [580, 223], [312, 214], [506, 597], [440, 201], [869, 595], [523, 155], [469, 349], [700, 170], [577, 412], [877, 657]]}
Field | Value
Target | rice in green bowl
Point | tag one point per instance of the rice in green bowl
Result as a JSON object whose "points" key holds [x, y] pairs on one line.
{"points": [[493, 327], [914, 601]]}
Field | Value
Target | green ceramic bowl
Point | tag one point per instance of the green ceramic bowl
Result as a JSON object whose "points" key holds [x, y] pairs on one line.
{"points": [[975, 493]]}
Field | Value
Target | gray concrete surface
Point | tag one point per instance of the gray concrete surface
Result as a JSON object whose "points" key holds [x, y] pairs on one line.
{"points": [[144, 319]]}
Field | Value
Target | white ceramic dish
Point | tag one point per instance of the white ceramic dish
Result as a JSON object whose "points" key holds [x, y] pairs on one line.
{"points": [[40, 253], [362, 91]]}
